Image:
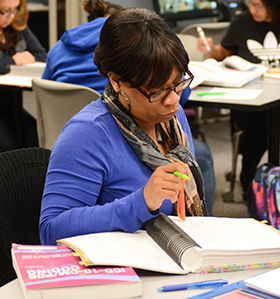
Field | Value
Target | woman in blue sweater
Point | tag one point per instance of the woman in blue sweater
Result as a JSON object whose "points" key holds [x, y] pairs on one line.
{"points": [[112, 166]]}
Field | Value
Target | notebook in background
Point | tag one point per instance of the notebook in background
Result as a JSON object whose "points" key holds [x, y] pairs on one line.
{"points": [[233, 71]]}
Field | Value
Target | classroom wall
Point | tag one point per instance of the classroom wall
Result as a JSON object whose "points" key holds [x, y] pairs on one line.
{"points": [[176, 26], [142, 3]]}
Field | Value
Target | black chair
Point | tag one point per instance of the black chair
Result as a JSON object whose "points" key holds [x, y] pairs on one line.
{"points": [[22, 178]]}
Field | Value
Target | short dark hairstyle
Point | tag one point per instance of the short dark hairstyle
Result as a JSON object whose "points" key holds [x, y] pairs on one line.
{"points": [[136, 43]]}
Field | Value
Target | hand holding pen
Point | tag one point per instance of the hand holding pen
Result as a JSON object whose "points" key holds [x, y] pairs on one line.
{"points": [[164, 183], [204, 44]]}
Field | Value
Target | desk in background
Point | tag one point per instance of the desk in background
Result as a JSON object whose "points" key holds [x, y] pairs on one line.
{"points": [[16, 85], [152, 281], [269, 100]]}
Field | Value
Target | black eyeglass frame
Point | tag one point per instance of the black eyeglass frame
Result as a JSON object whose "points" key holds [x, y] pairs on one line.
{"points": [[8, 13], [149, 95]]}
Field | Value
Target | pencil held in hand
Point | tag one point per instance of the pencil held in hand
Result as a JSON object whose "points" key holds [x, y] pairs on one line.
{"points": [[202, 35]]}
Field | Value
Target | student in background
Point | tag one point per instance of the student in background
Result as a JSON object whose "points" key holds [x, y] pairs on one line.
{"points": [[71, 58], [253, 35], [111, 168], [18, 45]]}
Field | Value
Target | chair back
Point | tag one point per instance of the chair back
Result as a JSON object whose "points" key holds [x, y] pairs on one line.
{"points": [[56, 103], [22, 179], [190, 44]]}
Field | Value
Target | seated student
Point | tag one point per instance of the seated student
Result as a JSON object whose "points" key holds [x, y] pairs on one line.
{"points": [[112, 166], [71, 61], [18, 45], [71, 58], [257, 28]]}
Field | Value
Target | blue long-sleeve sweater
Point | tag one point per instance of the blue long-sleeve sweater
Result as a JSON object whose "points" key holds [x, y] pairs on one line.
{"points": [[95, 180]]}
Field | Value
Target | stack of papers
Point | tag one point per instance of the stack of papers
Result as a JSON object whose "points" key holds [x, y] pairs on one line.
{"points": [[267, 282]]}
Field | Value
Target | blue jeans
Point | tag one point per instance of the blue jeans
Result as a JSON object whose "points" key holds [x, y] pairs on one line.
{"points": [[205, 161]]}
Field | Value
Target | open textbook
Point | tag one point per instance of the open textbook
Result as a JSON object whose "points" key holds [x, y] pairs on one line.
{"points": [[233, 71], [21, 75], [171, 245]]}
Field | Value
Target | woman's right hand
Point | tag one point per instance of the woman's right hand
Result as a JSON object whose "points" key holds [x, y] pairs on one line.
{"points": [[25, 57], [163, 184], [201, 45]]}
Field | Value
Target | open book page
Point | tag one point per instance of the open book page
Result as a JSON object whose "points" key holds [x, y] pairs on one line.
{"points": [[201, 72], [222, 241], [231, 78], [136, 250], [173, 240], [21, 75], [236, 62], [233, 71], [232, 240]]}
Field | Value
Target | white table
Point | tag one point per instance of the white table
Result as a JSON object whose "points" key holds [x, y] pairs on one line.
{"points": [[152, 281], [269, 100]]}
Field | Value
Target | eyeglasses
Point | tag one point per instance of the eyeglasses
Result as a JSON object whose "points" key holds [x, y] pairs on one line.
{"points": [[162, 94], [8, 13], [258, 7]]}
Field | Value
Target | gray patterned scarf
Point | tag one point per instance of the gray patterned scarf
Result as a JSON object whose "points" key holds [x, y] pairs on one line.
{"points": [[177, 146]]}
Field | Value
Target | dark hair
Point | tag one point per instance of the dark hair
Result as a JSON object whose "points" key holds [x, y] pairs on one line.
{"points": [[273, 8], [137, 43], [112, 8], [17, 25], [99, 8]]}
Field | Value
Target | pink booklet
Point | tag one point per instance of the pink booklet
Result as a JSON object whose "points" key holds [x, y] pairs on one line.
{"points": [[54, 270]]}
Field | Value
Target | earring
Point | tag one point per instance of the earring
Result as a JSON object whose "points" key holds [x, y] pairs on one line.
{"points": [[125, 97]]}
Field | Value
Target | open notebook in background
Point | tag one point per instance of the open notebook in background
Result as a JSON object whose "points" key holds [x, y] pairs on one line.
{"points": [[233, 71], [21, 75]]}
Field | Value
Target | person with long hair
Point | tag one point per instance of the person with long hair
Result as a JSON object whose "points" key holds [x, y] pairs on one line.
{"points": [[18, 45], [111, 168], [253, 35], [71, 58]]}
